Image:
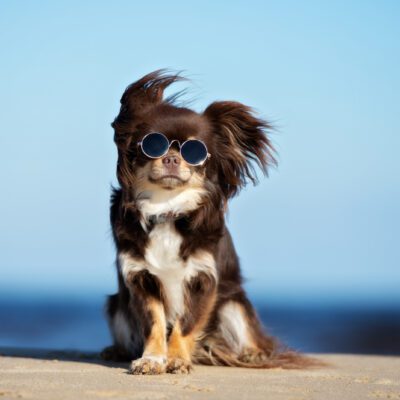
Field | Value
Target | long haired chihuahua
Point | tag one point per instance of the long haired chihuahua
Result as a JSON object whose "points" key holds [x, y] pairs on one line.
{"points": [[180, 299]]}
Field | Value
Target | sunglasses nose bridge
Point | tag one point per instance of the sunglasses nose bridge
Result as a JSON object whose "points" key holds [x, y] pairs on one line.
{"points": [[172, 142]]}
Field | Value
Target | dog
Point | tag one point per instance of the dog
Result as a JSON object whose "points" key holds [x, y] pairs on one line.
{"points": [[180, 299]]}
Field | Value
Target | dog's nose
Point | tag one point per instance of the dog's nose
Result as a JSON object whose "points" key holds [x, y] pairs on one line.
{"points": [[171, 161]]}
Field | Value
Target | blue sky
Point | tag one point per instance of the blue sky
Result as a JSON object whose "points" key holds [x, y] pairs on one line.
{"points": [[326, 224]]}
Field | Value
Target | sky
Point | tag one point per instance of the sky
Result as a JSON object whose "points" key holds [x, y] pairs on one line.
{"points": [[325, 224]]}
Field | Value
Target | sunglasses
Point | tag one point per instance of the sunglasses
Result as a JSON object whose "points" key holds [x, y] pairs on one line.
{"points": [[156, 145]]}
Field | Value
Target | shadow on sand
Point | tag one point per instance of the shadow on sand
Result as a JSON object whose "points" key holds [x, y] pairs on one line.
{"points": [[60, 355]]}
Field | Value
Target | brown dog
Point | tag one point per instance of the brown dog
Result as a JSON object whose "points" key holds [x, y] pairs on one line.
{"points": [[180, 297]]}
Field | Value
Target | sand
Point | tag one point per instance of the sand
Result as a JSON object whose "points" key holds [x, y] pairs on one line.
{"points": [[43, 375]]}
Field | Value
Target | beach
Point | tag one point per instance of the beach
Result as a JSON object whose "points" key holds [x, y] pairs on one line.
{"points": [[45, 375]]}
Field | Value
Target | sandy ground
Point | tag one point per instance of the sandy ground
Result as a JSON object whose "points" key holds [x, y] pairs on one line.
{"points": [[42, 375]]}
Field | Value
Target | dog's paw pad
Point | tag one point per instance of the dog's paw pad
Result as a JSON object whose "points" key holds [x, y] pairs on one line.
{"points": [[178, 366], [147, 366]]}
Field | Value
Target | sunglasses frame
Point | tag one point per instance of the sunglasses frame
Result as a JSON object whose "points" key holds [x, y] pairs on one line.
{"points": [[169, 146]]}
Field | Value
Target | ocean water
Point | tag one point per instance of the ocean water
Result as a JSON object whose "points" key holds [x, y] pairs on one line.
{"points": [[79, 324]]}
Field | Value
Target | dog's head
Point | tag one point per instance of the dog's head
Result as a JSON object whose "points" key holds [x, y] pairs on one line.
{"points": [[234, 137]]}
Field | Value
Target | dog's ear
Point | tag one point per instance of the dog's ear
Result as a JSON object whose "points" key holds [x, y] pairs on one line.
{"points": [[137, 100], [241, 143]]}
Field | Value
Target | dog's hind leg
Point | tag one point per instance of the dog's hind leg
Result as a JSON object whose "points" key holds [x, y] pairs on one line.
{"points": [[239, 340]]}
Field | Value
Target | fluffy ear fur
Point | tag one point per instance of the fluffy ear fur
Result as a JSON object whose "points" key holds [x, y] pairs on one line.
{"points": [[137, 100], [241, 141]]}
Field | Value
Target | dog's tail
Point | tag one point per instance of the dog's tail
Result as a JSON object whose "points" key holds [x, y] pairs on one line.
{"points": [[215, 351]]}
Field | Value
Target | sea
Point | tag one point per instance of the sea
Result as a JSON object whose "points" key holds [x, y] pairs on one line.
{"points": [[63, 323]]}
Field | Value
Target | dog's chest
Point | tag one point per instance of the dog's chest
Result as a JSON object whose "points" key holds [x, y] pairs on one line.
{"points": [[162, 250], [163, 260]]}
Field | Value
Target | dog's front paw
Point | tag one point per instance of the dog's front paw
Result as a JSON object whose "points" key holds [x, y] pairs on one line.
{"points": [[147, 366], [178, 366]]}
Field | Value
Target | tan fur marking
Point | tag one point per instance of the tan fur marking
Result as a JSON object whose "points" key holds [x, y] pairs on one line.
{"points": [[156, 344], [179, 346]]}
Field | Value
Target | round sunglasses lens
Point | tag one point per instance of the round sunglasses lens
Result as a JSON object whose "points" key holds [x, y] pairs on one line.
{"points": [[194, 152], [155, 145]]}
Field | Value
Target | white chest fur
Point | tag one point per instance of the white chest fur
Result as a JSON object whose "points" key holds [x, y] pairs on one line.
{"points": [[162, 260], [176, 201]]}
